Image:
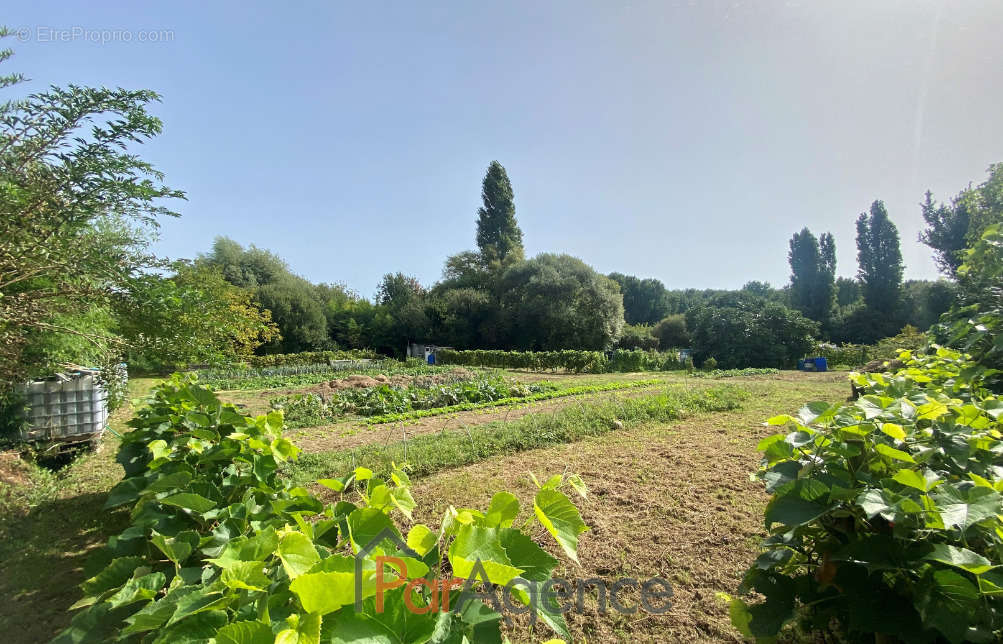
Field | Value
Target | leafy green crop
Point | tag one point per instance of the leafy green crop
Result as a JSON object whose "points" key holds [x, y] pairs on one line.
{"points": [[734, 373], [233, 378], [221, 548], [887, 514]]}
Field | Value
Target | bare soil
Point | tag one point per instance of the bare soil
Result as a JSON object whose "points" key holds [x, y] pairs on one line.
{"points": [[672, 500]]}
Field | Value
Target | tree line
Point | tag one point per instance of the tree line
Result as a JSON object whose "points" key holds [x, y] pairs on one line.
{"points": [[79, 285]]}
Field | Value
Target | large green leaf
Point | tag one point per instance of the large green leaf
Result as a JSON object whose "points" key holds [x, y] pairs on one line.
{"points": [[116, 573], [297, 553], [331, 588], [946, 601], [960, 558], [189, 501], [245, 633], [502, 511], [473, 545], [561, 519], [797, 503], [138, 589], [177, 548], [536, 564], [256, 548], [246, 575]]}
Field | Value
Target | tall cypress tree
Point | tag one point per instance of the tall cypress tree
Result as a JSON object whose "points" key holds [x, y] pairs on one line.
{"points": [[880, 260], [813, 274], [498, 234]]}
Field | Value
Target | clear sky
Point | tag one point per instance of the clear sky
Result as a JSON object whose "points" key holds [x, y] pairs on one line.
{"points": [[680, 140]]}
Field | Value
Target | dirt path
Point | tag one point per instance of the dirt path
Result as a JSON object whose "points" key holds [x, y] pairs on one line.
{"points": [[671, 500]]}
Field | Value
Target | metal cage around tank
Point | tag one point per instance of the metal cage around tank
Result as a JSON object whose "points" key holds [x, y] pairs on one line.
{"points": [[69, 407]]}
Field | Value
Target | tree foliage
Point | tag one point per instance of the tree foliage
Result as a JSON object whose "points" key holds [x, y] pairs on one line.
{"points": [[77, 212], [813, 274], [498, 235], [645, 301], [559, 302], [880, 260], [742, 330]]}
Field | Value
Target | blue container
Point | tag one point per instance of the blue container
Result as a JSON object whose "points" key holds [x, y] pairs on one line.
{"points": [[431, 358], [821, 364]]}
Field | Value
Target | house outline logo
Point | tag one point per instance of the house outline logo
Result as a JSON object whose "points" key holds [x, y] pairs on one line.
{"points": [[386, 534]]}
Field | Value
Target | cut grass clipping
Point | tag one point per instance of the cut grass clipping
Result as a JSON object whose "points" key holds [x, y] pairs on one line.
{"points": [[430, 453], [512, 401]]}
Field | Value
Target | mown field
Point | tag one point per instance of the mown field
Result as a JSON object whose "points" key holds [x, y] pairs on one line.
{"points": [[666, 457]]}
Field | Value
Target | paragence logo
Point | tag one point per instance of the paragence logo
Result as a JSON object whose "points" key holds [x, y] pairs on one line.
{"points": [[518, 596]]}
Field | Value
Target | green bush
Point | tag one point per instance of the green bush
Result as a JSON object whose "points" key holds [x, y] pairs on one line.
{"points": [[710, 363], [567, 360], [311, 357], [638, 336], [221, 549], [886, 517]]}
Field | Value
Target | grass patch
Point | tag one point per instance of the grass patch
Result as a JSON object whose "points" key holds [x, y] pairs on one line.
{"points": [[431, 453]]}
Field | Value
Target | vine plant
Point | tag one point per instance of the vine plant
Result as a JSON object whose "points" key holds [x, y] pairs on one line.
{"points": [[221, 549], [886, 521]]}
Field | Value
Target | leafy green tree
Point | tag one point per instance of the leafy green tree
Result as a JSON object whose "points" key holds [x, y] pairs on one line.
{"points": [[741, 330], [847, 291], [645, 301], [672, 333], [880, 261], [559, 302], [951, 229], [298, 314], [194, 316], [637, 336], [78, 208], [246, 267], [498, 235], [403, 297], [925, 301], [813, 274]]}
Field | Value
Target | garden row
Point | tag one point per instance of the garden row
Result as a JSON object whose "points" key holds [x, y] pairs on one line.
{"points": [[221, 549], [385, 404], [887, 515], [234, 378], [621, 360], [312, 409]]}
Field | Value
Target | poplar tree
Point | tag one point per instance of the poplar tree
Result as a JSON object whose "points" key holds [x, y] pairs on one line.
{"points": [[879, 258], [498, 234]]}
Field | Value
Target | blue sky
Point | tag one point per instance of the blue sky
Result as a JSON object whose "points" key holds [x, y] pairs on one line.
{"points": [[680, 140]]}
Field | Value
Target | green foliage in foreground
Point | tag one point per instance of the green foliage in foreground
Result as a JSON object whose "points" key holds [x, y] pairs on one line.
{"points": [[430, 453], [887, 514], [222, 549]]}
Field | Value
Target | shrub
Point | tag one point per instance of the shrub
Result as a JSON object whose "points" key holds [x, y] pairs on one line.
{"points": [[886, 515], [710, 363], [672, 332], [311, 357], [746, 331], [638, 336], [221, 548]]}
